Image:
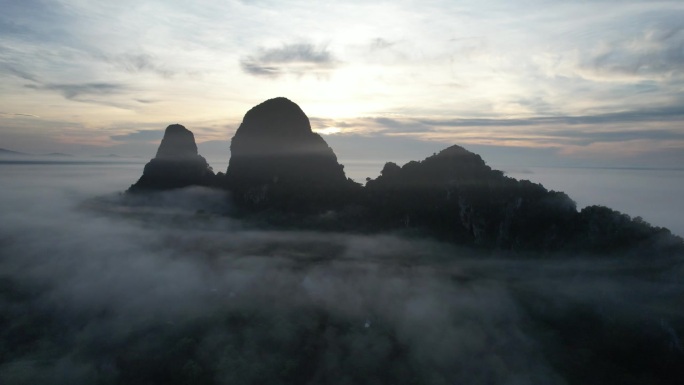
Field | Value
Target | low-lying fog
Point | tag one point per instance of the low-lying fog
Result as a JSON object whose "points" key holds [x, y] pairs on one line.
{"points": [[99, 288]]}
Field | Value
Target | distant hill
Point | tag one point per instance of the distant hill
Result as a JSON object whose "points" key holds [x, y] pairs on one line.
{"points": [[4, 151], [10, 152], [107, 156]]}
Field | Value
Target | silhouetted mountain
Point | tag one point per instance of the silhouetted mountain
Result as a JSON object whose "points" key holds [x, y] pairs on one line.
{"points": [[455, 196], [278, 162], [107, 156], [288, 174], [10, 152], [177, 163]]}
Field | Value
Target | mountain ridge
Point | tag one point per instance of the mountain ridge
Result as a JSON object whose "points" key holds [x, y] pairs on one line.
{"points": [[282, 173], [4, 151]]}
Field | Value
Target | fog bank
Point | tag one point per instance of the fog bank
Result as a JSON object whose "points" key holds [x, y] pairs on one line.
{"points": [[98, 287]]}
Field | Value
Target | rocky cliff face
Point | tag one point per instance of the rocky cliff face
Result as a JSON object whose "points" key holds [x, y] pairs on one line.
{"points": [[177, 164], [277, 161]]}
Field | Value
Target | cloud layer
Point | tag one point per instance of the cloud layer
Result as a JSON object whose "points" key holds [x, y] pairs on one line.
{"points": [[99, 287], [292, 59]]}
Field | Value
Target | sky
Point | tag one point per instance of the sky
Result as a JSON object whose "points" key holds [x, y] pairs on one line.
{"points": [[598, 83]]}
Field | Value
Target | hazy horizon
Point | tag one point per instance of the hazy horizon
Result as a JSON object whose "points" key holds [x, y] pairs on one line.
{"points": [[650, 193]]}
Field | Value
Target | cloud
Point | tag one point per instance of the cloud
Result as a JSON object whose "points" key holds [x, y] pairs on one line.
{"points": [[146, 101], [137, 63], [92, 93], [655, 52], [73, 91], [664, 114], [403, 125], [590, 136], [36, 21], [379, 44], [19, 73], [139, 136], [290, 59], [321, 123], [646, 131], [9, 27], [17, 114], [104, 288], [627, 125]]}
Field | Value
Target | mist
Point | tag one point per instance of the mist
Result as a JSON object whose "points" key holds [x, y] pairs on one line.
{"points": [[102, 287]]}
